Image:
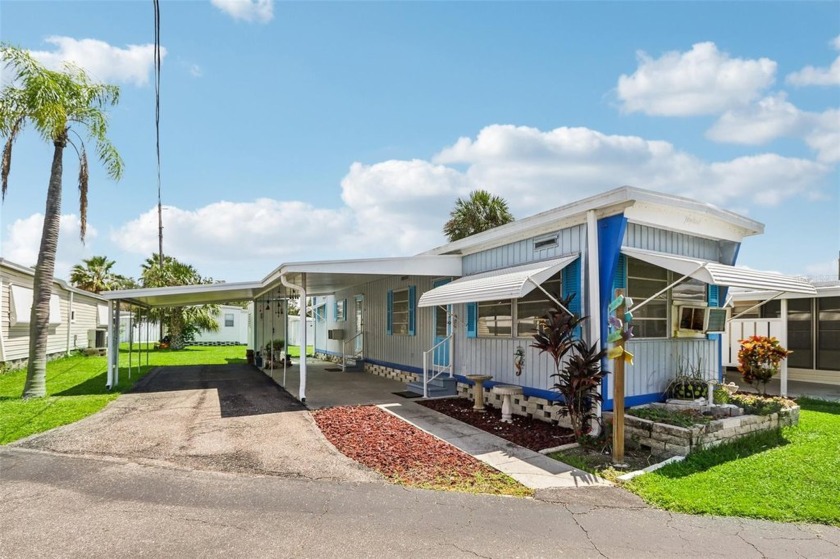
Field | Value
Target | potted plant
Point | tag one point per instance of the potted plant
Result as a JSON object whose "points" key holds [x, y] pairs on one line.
{"points": [[689, 383]]}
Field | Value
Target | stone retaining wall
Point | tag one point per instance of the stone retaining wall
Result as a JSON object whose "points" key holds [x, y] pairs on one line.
{"points": [[668, 440]]}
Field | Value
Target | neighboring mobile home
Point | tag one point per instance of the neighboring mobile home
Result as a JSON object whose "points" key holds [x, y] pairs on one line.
{"points": [[809, 325], [78, 319], [235, 324], [471, 306]]}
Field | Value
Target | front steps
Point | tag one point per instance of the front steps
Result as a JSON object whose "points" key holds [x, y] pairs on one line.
{"points": [[438, 388]]}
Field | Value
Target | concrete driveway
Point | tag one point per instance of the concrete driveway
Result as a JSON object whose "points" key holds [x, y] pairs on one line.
{"points": [[228, 418]]}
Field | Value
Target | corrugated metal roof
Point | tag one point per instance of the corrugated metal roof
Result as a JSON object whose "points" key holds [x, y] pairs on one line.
{"points": [[714, 273], [506, 283]]}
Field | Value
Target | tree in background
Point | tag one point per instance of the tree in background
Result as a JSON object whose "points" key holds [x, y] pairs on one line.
{"points": [[181, 323], [479, 212], [94, 274], [54, 104]]}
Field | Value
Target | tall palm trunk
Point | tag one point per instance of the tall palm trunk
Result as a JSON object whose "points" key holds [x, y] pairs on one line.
{"points": [[36, 374]]}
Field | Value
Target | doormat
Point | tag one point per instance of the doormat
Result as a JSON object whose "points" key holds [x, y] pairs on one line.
{"points": [[333, 369], [407, 394]]}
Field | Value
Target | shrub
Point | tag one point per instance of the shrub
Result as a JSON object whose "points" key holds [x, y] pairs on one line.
{"points": [[580, 377], [758, 360], [758, 404]]}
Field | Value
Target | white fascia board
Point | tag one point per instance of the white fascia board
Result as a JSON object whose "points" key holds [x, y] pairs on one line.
{"points": [[761, 295], [184, 295], [729, 225], [698, 221]]}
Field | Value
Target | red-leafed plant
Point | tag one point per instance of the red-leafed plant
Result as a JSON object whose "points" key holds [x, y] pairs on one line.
{"points": [[759, 359], [580, 377]]}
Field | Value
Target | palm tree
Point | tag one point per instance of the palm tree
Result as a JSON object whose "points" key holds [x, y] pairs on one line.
{"points": [[480, 212], [94, 274], [54, 104], [181, 322]]}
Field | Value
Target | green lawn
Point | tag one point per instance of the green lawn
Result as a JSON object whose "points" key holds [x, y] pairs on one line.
{"points": [[294, 350], [76, 387], [790, 477]]}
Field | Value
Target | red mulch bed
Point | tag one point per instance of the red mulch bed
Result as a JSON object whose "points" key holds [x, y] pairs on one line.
{"points": [[396, 449], [530, 433]]}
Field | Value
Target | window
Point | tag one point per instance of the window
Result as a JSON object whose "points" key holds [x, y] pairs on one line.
{"points": [[399, 313], [531, 308], [321, 313], [549, 241], [828, 333], [643, 281], [228, 320], [651, 321], [341, 310], [402, 311], [800, 335], [495, 319]]}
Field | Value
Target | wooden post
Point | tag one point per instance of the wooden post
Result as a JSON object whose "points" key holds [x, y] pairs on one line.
{"points": [[618, 393]]}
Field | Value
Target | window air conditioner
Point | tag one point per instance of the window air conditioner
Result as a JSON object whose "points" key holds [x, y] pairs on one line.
{"points": [[336, 334]]}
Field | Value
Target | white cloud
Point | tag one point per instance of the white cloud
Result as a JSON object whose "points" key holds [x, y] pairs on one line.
{"points": [[774, 117], [196, 71], [261, 11], [535, 170], [103, 62], [824, 271], [22, 241], [810, 75], [399, 207], [700, 81]]}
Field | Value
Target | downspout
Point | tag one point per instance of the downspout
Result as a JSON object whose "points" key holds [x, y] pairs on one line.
{"points": [[593, 299], [302, 290], [69, 323]]}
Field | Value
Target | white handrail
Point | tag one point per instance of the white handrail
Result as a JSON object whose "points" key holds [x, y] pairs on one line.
{"points": [[426, 355], [355, 354]]}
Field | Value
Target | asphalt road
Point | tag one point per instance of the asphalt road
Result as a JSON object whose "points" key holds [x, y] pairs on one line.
{"points": [[65, 506], [218, 461]]}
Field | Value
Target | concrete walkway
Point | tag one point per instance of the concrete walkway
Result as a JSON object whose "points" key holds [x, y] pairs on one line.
{"points": [[327, 386], [531, 469]]}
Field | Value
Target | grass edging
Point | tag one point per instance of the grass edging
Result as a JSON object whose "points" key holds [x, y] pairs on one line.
{"points": [[652, 468]]}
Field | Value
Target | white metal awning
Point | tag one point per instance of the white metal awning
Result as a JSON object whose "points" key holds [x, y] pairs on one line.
{"points": [[714, 273], [507, 283]]}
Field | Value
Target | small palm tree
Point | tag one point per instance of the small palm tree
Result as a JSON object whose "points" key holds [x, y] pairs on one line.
{"points": [[480, 212], [94, 274], [54, 104], [181, 322]]}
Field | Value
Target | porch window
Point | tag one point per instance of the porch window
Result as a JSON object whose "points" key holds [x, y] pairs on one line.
{"points": [[228, 320], [800, 335], [828, 333]]}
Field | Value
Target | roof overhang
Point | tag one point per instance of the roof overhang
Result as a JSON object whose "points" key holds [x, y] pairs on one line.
{"points": [[186, 295], [326, 277], [498, 285], [714, 273]]}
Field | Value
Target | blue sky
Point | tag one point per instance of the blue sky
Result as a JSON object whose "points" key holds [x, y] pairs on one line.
{"points": [[317, 130]]}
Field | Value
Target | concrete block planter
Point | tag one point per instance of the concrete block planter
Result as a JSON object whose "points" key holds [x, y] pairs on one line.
{"points": [[669, 440]]}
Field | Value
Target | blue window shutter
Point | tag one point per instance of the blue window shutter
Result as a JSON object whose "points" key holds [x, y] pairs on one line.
{"points": [[344, 310], [714, 300], [472, 320], [389, 312], [335, 311], [620, 277], [571, 285], [412, 309]]}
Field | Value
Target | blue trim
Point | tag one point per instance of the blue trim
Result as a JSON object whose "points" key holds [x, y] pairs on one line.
{"points": [[611, 232], [630, 401], [412, 309], [328, 352], [528, 391], [406, 368], [472, 320]]}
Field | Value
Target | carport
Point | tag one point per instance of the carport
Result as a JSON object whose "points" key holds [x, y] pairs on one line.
{"points": [[297, 279]]}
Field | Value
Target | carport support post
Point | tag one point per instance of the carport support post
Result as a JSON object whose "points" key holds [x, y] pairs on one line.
{"points": [[110, 376], [784, 372], [302, 394]]}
